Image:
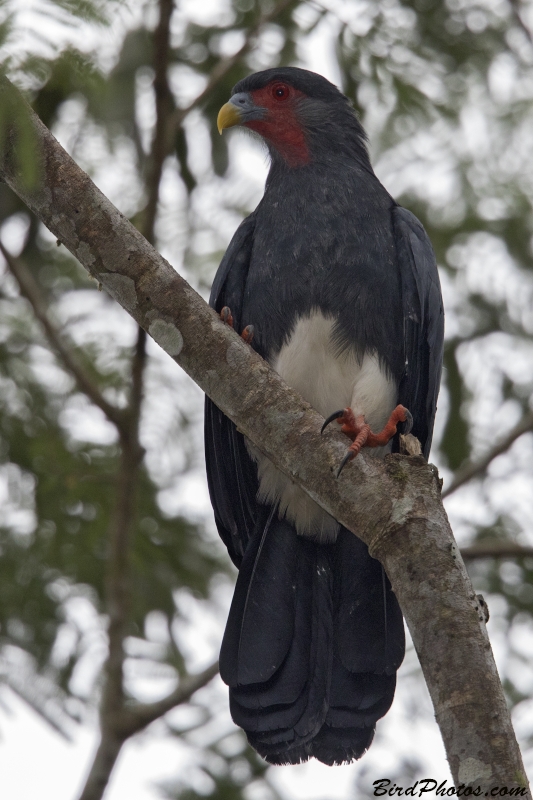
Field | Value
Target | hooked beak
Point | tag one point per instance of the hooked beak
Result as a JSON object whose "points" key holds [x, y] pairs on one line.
{"points": [[238, 111], [228, 116]]}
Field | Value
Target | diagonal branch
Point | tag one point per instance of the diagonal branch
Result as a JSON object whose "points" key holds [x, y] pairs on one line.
{"points": [[516, 9], [224, 65], [496, 549], [169, 119], [471, 470], [30, 290], [393, 505], [141, 715], [39, 708], [126, 722]]}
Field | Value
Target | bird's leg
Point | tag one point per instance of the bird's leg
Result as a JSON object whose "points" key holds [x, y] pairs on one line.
{"points": [[351, 425], [400, 414], [227, 317], [359, 431]]}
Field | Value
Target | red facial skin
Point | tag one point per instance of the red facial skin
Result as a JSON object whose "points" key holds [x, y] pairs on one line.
{"points": [[281, 126]]}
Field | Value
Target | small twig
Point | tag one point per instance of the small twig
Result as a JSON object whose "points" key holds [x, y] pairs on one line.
{"points": [[223, 66], [170, 119], [164, 103], [137, 371], [30, 290], [127, 722], [138, 717], [474, 468], [515, 6], [21, 691], [118, 588], [496, 549]]}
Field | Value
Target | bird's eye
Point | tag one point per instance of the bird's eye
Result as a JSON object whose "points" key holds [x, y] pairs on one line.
{"points": [[280, 91]]}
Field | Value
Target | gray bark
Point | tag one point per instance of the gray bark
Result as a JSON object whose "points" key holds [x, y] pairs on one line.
{"points": [[393, 505]]}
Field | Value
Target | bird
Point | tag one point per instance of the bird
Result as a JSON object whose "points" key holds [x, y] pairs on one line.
{"points": [[336, 286]]}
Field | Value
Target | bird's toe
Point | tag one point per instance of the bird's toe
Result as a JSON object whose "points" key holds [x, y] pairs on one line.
{"points": [[226, 316]]}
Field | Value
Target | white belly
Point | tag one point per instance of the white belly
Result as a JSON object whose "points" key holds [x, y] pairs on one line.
{"points": [[310, 364]]}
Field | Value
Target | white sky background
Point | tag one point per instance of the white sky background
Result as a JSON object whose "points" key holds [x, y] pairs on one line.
{"points": [[36, 763]]}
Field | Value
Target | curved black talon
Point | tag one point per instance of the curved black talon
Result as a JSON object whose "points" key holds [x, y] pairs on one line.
{"points": [[348, 457], [335, 415], [407, 426]]}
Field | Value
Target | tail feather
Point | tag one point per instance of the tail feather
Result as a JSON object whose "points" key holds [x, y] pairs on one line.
{"points": [[360, 693], [369, 633], [266, 721], [312, 644], [321, 650], [334, 746], [289, 683], [260, 625]]}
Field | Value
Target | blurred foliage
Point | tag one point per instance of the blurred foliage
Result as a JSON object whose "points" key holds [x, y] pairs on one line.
{"points": [[444, 89], [405, 776], [229, 770]]}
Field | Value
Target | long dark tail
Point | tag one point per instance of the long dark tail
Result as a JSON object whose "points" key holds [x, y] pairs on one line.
{"points": [[312, 644]]}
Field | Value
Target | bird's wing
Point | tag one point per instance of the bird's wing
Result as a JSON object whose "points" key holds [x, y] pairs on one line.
{"points": [[231, 473], [228, 285], [423, 322]]}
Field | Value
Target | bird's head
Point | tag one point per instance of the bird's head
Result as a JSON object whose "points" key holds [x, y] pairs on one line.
{"points": [[300, 115]]}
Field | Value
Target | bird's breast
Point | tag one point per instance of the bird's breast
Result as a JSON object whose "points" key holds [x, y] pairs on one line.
{"points": [[310, 362]]}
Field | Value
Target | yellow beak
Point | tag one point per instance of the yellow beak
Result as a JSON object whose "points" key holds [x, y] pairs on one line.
{"points": [[228, 116]]}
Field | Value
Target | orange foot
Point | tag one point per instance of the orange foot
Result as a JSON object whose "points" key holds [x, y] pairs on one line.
{"points": [[361, 435], [227, 317]]}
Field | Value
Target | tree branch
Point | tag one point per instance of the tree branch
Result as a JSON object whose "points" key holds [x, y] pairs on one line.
{"points": [[30, 696], [104, 760], [118, 593], [496, 549], [118, 582], [30, 290], [393, 505], [164, 103], [469, 471], [224, 65], [118, 588], [139, 716], [129, 721], [516, 8]]}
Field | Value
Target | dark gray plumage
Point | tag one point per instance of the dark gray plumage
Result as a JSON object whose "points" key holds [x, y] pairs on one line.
{"points": [[329, 271]]}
